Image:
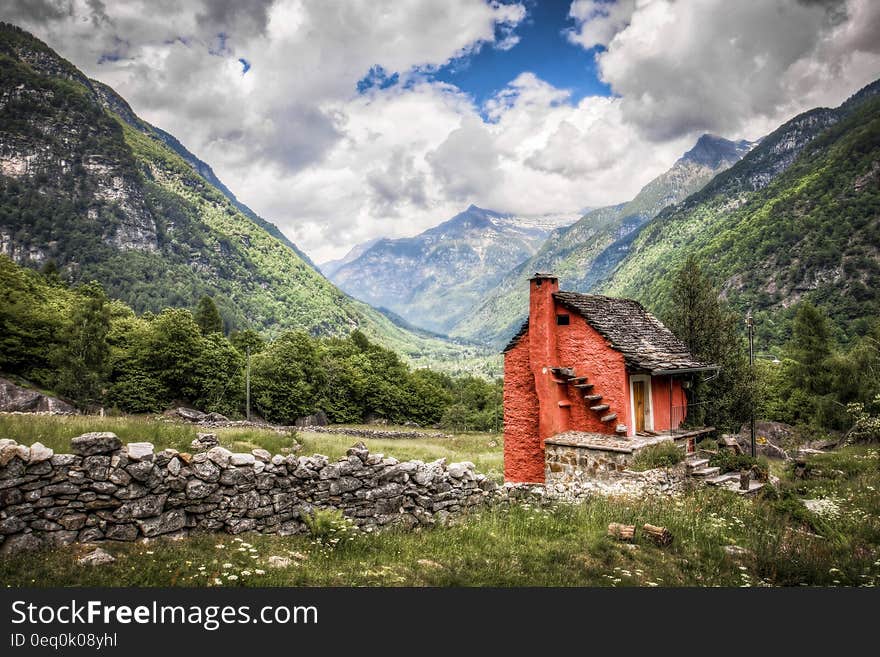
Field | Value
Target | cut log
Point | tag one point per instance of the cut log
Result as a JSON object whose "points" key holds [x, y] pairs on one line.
{"points": [[621, 532], [660, 535]]}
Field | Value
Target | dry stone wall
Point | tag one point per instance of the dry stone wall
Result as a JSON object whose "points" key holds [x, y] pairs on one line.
{"points": [[105, 490]]}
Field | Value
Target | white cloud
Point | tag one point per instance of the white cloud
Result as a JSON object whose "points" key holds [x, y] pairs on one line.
{"points": [[295, 141], [729, 67], [597, 21]]}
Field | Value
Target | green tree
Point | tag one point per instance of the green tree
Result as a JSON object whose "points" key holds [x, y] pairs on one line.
{"points": [[208, 317], [810, 394], [247, 339], [286, 378], [170, 350], [83, 359], [709, 329], [810, 349]]}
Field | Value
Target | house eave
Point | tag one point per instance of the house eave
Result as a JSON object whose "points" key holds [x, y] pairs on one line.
{"points": [[684, 370]]}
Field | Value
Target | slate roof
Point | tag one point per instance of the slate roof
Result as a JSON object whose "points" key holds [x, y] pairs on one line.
{"points": [[517, 337], [646, 344]]}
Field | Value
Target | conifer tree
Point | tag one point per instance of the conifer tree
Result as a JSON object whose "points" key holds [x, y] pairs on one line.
{"points": [[709, 329], [208, 317], [83, 358]]}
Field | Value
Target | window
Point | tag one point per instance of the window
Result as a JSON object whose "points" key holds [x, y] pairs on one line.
{"points": [[562, 320]]}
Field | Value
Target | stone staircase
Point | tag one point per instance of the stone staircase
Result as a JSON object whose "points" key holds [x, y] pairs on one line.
{"points": [[711, 476], [566, 376], [697, 467]]}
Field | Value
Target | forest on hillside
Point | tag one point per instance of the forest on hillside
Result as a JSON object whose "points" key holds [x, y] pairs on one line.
{"points": [[97, 352]]}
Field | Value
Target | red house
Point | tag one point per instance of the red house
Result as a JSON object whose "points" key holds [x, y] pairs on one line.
{"points": [[592, 364]]}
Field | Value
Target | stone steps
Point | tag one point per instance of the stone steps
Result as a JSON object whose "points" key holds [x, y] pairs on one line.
{"points": [[693, 464], [722, 478], [600, 407], [706, 471], [583, 386], [578, 380], [610, 417], [592, 398]]}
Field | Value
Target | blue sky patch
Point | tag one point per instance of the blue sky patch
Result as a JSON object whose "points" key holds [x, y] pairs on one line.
{"points": [[245, 65], [377, 78], [542, 49]]}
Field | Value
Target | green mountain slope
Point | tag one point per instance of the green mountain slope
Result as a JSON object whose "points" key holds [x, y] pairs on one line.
{"points": [[86, 183], [435, 278], [799, 217], [571, 252]]}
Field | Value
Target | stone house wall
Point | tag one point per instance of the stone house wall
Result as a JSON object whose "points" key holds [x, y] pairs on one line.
{"points": [[567, 463], [107, 491], [574, 472]]}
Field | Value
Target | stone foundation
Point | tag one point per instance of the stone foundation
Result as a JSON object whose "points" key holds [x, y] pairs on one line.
{"points": [[107, 491], [577, 465]]}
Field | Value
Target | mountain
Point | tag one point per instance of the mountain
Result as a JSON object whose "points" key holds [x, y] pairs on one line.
{"points": [[86, 183], [572, 252], [798, 217], [332, 266], [434, 279]]}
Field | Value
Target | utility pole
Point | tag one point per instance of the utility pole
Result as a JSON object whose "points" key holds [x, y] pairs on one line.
{"points": [[751, 327], [247, 378]]}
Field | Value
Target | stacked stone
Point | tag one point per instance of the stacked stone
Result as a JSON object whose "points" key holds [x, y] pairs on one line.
{"points": [[375, 433], [105, 490]]}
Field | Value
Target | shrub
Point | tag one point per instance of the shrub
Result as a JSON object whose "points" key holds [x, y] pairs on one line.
{"points": [[729, 461], [327, 525], [662, 455]]}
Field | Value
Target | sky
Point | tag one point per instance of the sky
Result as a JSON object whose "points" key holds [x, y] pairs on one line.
{"points": [[344, 121]]}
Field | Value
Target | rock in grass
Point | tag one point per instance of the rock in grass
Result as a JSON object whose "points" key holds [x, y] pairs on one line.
{"points": [[278, 562], [95, 442], [96, 557]]}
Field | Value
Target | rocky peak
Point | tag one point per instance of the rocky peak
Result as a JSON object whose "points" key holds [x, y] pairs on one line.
{"points": [[713, 151]]}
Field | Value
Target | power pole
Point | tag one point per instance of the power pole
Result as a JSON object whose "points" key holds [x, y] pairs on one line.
{"points": [[751, 327], [247, 378]]}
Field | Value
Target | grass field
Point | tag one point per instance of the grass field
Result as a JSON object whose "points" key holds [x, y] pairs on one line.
{"points": [[782, 541], [55, 431]]}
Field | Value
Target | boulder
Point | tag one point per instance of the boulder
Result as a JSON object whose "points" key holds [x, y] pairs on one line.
{"points": [[7, 453], [121, 532], [771, 439], [220, 456], [169, 521], [242, 459], [189, 414], [262, 455], [142, 507], [360, 450], [215, 417], [96, 442], [39, 453], [15, 398], [317, 419], [96, 557], [20, 543], [204, 442], [139, 451], [197, 489]]}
